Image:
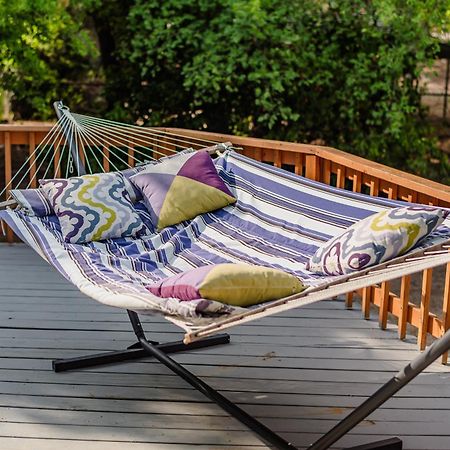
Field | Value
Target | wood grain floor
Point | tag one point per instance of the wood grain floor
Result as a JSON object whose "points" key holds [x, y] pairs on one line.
{"points": [[298, 372]]}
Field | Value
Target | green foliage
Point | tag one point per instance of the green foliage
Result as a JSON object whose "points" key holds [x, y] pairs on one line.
{"points": [[44, 53], [340, 72]]}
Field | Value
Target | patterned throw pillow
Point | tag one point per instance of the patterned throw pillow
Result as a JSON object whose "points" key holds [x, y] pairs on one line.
{"points": [[93, 207], [234, 284], [376, 239], [181, 188], [32, 202]]}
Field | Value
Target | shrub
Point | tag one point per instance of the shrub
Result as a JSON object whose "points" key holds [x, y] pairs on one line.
{"points": [[344, 72], [339, 72]]}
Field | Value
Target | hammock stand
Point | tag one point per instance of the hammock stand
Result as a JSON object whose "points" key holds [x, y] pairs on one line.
{"points": [[199, 339]]}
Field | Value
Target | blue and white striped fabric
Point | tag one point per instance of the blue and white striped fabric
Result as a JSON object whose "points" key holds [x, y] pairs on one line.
{"points": [[278, 221]]}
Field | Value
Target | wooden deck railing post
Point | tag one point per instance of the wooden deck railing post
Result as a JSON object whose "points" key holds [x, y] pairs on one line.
{"points": [[312, 167], [32, 162], [8, 176], [367, 296], [404, 306], [446, 309], [384, 303], [424, 308]]}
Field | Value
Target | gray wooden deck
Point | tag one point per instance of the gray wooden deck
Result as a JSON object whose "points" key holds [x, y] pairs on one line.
{"points": [[298, 372]]}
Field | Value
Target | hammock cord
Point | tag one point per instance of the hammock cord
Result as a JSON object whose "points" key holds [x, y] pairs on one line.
{"points": [[97, 143], [23, 171]]}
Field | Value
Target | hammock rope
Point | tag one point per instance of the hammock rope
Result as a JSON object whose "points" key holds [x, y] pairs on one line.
{"points": [[79, 139]]}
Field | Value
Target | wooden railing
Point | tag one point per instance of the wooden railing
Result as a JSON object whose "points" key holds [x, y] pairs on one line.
{"points": [[332, 167]]}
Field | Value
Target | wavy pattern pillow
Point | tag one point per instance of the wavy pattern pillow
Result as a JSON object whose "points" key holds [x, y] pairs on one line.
{"points": [[376, 239], [32, 201], [93, 207], [181, 188], [234, 284]]}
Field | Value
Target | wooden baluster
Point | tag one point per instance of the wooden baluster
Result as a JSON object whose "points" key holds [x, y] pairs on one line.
{"points": [[312, 167], [357, 182], [392, 192], [298, 164], [404, 304], [340, 182], [349, 300], [56, 160], [374, 187], [32, 161], [327, 172], [131, 160], [277, 158], [8, 176], [81, 151], [424, 308], [384, 303], [446, 308], [367, 295], [106, 158]]}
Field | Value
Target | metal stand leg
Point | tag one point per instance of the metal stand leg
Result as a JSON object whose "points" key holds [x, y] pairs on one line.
{"points": [[261, 430], [145, 348], [403, 377]]}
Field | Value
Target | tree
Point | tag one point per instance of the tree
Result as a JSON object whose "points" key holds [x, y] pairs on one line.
{"points": [[341, 72], [46, 53]]}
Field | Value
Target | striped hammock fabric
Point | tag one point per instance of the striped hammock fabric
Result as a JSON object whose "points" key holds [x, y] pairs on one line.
{"points": [[278, 221]]}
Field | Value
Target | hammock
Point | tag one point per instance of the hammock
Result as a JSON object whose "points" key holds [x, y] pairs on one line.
{"points": [[278, 221]]}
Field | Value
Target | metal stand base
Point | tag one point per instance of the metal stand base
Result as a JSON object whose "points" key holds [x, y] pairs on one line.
{"points": [[134, 352], [145, 348], [387, 444]]}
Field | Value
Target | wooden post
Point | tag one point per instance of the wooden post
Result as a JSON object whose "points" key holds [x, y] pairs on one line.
{"points": [[31, 149], [366, 300], [326, 172], [384, 303], [349, 300], [446, 308], [106, 158], [8, 176], [298, 164], [340, 182], [312, 167], [56, 162], [404, 303], [424, 308], [357, 182]]}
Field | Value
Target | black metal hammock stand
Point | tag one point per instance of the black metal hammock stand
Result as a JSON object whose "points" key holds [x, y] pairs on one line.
{"points": [[144, 348]]}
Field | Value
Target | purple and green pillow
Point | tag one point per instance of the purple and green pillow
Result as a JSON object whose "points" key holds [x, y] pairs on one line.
{"points": [[182, 187], [233, 284]]}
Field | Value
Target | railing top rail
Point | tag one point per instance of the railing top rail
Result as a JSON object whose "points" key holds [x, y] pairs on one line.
{"points": [[414, 182], [377, 170]]}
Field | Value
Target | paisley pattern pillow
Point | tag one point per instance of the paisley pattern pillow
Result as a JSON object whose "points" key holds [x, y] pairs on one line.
{"points": [[93, 207], [376, 239]]}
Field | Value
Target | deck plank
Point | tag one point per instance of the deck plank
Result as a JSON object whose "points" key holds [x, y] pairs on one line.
{"points": [[298, 372]]}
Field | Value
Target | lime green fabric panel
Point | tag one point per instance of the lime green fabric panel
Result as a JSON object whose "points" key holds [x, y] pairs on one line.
{"points": [[188, 198], [245, 285]]}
